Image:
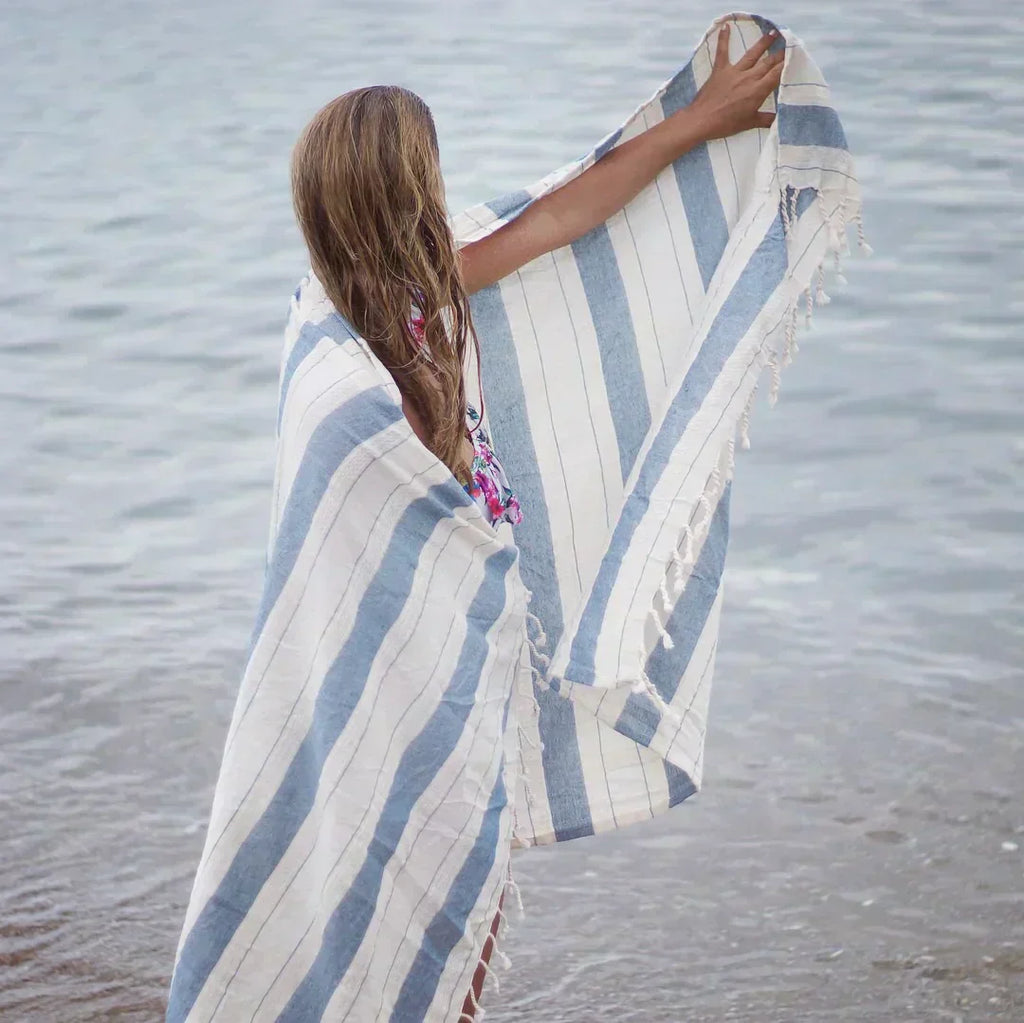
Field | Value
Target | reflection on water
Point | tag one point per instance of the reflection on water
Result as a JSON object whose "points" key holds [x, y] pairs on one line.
{"points": [[858, 850]]}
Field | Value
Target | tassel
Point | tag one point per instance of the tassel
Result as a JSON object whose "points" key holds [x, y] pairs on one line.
{"points": [[663, 589], [666, 639], [821, 298], [688, 545], [865, 248], [748, 411], [514, 887], [773, 364], [789, 345], [541, 636]]}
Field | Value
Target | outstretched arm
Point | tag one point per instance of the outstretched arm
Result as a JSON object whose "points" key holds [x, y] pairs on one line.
{"points": [[727, 103]]}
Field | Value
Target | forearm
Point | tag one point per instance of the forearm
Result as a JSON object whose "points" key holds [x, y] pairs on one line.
{"points": [[728, 102], [600, 191], [570, 211]]}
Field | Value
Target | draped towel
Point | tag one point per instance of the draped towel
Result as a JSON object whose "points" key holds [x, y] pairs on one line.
{"points": [[424, 691]]}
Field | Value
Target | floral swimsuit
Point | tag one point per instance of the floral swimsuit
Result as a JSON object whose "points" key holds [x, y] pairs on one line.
{"points": [[489, 488]]}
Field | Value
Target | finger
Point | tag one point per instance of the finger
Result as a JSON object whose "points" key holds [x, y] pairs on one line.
{"points": [[773, 75], [763, 120], [722, 50], [757, 51]]}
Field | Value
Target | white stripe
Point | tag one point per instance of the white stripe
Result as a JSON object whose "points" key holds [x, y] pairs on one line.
{"points": [[683, 740], [375, 738], [302, 647], [543, 408], [576, 419], [396, 934]]}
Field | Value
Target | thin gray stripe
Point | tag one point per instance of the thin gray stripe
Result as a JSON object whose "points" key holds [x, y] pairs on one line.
{"points": [[725, 141], [725, 407], [502, 376], [320, 639], [672, 236], [616, 341], [685, 622], [335, 438], [358, 745], [695, 180], [743, 42], [681, 785], [449, 923], [755, 283], [301, 421], [563, 475], [647, 784], [259, 853], [604, 772], [419, 765], [507, 683], [647, 294], [586, 392], [718, 422]]}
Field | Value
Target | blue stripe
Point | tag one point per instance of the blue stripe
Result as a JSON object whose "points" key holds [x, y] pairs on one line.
{"points": [[445, 931], [616, 340], [420, 764], [449, 923], [338, 435], [309, 337], [342, 687], [607, 145], [760, 277], [779, 42], [510, 429], [766, 26], [810, 126], [511, 205], [695, 178], [680, 784], [665, 668]]}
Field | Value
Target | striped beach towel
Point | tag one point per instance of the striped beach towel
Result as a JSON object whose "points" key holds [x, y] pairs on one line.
{"points": [[424, 692]]}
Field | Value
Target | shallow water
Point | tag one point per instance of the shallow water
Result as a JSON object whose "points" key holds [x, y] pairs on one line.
{"points": [[858, 850]]}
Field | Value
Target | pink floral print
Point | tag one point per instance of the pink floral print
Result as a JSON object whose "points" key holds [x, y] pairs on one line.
{"points": [[489, 488]]}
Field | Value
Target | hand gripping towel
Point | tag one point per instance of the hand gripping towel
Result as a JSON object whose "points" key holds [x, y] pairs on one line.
{"points": [[423, 691]]}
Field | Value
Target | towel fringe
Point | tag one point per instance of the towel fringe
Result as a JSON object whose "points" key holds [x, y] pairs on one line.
{"points": [[791, 346], [541, 634], [748, 411], [477, 1013], [838, 208], [772, 356], [776, 371], [495, 938], [512, 885]]}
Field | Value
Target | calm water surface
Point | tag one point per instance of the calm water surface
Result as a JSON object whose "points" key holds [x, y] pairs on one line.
{"points": [[858, 850]]}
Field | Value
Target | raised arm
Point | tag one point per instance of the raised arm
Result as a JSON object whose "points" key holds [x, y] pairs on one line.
{"points": [[727, 103]]}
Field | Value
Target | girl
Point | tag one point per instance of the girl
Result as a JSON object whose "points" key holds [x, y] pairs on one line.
{"points": [[370, 201]]}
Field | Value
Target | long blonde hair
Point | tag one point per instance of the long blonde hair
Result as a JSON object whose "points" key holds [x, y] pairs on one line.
{"points": [[369, 199]]}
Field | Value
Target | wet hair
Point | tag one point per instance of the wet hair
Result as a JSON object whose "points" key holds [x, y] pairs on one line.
{"points": [[370, 201]]}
